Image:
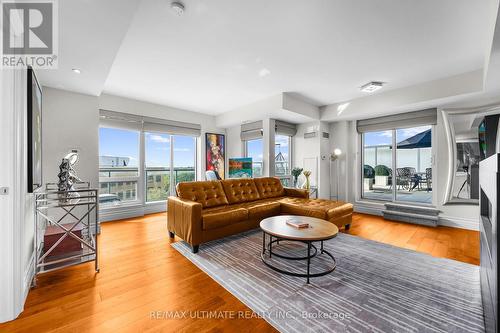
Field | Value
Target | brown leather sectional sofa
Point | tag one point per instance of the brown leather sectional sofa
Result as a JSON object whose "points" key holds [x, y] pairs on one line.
{"points": [[208, 210]]}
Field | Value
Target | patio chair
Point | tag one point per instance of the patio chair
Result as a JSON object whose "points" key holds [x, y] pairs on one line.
{"points": [[404, 177], [428, 179]]}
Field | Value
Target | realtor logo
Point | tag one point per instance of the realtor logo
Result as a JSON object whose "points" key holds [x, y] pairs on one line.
{"points": [[29, 33]]}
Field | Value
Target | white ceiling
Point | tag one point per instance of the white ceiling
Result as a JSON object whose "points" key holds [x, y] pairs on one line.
{"points": [[208, 60], [90, 34]]}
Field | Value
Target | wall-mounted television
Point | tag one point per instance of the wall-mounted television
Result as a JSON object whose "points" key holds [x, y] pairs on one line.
{"points": [[34, 130]]}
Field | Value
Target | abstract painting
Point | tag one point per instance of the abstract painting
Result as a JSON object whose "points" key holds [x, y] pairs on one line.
{"points": [[216, 153], [240, 167]]}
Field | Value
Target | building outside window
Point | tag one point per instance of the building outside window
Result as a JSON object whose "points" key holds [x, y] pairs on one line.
{"points": [[118, 165]]}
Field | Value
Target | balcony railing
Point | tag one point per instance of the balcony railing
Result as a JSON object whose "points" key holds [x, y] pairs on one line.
{"points": [[119, 184]]}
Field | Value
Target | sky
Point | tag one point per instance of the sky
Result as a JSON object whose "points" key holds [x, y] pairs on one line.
{"points": [[125, 143], [385, 137]]}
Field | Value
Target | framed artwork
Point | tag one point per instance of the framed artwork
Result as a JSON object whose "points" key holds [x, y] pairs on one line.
{"points": [[240, 167], [215, 155], [34, 107]]}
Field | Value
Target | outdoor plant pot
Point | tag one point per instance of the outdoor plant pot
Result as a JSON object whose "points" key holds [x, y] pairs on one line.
{"points": [[368, 184], [381, 180]]}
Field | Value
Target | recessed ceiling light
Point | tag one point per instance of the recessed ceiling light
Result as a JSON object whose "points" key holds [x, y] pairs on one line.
{"points": [[264, 72], [177, 7], [371, 86], [76, 70]]}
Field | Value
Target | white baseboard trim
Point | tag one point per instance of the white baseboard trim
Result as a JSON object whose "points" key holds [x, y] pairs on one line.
{"points": [[120, 213], [155, 208], [458, 222], [444, 220]]}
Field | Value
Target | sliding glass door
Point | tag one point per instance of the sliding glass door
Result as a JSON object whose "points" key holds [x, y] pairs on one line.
{"points": [[169, 159], [400, 174], [414, 164], [157, 166], [377, 168]]}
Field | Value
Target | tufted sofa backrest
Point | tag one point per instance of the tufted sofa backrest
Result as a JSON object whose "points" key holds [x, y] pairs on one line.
{"points": [[269, 187], [208, 193], [240, 190]]}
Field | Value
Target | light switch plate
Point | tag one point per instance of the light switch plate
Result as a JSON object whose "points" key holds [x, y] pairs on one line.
{"points": [[4, 190]]}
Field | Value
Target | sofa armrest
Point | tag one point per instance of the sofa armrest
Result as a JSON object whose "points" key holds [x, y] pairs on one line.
{"points": [[184, 219], [296, 192]]}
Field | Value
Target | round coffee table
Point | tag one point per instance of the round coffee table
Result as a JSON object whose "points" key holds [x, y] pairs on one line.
{"points": [[318, 231]]}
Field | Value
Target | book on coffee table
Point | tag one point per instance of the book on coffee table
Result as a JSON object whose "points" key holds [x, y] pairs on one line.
{"points": [[297, 224]]}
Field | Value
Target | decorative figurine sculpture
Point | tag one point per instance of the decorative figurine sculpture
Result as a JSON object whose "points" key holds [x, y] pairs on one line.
{"points": [[67, 176]]}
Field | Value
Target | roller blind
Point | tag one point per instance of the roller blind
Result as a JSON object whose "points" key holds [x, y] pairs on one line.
{"points": [[251, 131], [171, 126], [283, 128], [123, 120], [114, 119], [402, 120]]}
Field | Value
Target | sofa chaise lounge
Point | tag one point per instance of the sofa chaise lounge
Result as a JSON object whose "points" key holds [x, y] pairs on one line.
{"points": [[208, 210]]}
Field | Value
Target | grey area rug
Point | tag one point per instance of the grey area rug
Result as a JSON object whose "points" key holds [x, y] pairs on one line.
{"points": [[375, 287]]}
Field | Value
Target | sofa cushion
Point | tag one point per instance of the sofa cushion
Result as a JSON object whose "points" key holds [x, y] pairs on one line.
{"points": [[262, 209], [269, 187], [208, 193], [219, 218], [294, 208], [240, 190], [339, 209], [325, 209]]}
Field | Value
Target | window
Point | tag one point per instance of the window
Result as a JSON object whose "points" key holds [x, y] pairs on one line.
{"points": [[377, 168], [184, 158], [402, 175], [157, 158], [118, 165], [282, 159], [254, 149], [414, 164]]}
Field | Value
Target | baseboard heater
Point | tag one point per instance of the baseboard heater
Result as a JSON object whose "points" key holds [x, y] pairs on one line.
{"points": [[411, 214]]}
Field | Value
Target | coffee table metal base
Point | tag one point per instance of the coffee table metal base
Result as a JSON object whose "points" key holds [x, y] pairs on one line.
{"points": [[308, 257]]}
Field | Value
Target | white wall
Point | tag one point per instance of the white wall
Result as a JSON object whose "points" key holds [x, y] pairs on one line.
{"points": [[234, 143], [70, 121], [16, 208]]}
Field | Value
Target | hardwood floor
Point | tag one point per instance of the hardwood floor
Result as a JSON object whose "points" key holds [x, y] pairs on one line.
{"points": [[443, 242], [141, 274]]}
